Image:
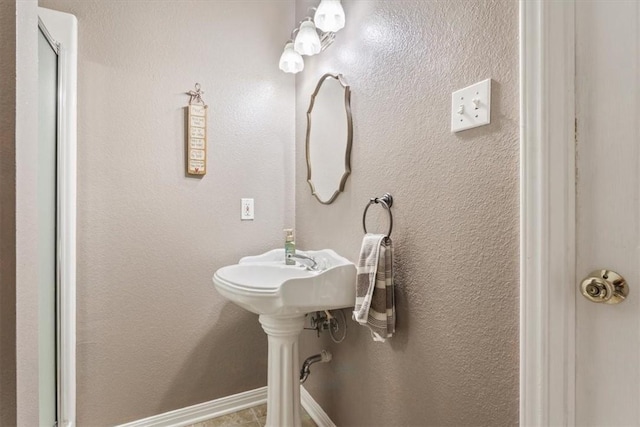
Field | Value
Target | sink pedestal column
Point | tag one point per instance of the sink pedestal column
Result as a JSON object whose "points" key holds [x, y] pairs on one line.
{"points": [[283, 381]]}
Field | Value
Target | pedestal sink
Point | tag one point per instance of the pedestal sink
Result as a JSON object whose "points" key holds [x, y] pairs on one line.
{"points": [[282, 294]]}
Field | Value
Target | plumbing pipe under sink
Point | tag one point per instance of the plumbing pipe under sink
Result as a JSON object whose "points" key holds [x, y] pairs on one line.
{"points": [[324, 356]]}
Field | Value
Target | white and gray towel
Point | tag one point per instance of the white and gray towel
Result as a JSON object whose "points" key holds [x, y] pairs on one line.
{"points": [[375, 303]]}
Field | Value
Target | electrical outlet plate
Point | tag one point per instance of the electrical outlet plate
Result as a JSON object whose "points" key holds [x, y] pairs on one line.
{"points": [[247, 209], [471, 106]]}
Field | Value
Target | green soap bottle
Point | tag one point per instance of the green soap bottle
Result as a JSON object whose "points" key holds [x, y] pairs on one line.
{"points": [[289, 247]]}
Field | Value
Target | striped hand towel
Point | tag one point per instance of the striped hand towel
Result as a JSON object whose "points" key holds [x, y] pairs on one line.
{"points": [[375, 303]]}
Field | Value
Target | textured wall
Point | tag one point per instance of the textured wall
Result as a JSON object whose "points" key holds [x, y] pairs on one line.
{"points": [[153, 334], [7, 213], [454, 360]]}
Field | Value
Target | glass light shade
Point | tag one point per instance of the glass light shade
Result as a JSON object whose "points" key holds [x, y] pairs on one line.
{"points": [[290, 60], [307, 41], [329, 16]]}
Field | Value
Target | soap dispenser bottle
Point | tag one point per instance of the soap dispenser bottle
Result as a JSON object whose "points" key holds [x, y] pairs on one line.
{"points": [[289, 247]]}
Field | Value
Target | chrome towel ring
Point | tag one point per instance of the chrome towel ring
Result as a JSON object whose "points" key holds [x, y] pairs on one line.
{"points": [[386, 201]]}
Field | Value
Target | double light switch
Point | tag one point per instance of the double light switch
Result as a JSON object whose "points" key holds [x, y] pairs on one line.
{"points": [[471, 106]]}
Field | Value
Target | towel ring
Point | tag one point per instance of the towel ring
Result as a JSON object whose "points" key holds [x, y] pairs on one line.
{"points": [[386, 201]]}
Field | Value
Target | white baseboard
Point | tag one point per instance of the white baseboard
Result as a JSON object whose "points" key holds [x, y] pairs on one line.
{"points": [[204, 411], [227, 405], [314, 410]]}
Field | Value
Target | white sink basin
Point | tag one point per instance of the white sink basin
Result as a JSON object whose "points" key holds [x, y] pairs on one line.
{"points": [[282, 294], [264, 284]]}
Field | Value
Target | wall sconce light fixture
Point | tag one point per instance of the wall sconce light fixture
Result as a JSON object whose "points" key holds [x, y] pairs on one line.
{"points": [[307, 41], [290, 60], [329, 18]]}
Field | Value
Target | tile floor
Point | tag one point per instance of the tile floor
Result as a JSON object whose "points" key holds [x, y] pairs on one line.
{"points": [[251, 417]]}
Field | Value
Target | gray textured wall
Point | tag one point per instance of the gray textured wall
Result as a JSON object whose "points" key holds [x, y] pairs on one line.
{"points": [[153, 334], [454, 360], [7, 213]]}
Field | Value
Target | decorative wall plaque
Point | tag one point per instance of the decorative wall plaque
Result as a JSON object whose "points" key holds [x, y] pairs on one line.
{"points": [[196, 133]]}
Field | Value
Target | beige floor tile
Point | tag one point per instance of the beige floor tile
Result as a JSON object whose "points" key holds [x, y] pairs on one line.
{"points": [[260, 411], [240, 418], [307, 421], [207, 423], [252, 417], [244, 416]]}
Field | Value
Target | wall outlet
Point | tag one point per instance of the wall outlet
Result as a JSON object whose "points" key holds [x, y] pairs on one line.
{"points": [[247, 209], [471, 106]]}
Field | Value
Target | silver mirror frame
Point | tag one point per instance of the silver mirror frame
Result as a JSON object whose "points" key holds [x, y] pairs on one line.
{"points": [[347, 158]]}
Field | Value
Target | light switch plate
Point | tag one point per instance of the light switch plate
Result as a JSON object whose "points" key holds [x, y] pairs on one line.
{"points": [[247, 209], [471, 106]]}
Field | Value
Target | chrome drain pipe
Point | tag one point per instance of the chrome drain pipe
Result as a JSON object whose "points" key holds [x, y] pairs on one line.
{"points": [[324, 356]]}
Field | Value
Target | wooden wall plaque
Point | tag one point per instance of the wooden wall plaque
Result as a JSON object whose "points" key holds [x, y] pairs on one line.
{"points": [[196, 133]]}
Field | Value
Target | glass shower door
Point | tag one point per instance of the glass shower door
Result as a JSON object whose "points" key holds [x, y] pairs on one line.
{"points": [[46, 164]]}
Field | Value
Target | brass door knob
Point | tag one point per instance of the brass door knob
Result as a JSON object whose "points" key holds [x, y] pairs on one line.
{"points": [[605, 286]]}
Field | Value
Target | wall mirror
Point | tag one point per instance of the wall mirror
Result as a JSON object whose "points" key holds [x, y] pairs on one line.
{"points": [[329, 137]]}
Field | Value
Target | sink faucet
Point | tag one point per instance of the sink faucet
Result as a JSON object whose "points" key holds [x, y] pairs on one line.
{"points": [[313, 264]]}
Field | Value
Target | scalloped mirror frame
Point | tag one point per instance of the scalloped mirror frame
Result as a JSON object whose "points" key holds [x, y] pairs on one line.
{"points": [[347, 157]]}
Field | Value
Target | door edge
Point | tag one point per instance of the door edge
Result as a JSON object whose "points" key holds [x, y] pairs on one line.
{"points": [[547, 213]]}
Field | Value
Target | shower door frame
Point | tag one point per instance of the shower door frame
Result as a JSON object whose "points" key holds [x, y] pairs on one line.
{"points": [[61, 30], [547, 213]]}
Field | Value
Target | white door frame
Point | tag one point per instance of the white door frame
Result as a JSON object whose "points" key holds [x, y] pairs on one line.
{"points": [[547, 209], [62, 28]]}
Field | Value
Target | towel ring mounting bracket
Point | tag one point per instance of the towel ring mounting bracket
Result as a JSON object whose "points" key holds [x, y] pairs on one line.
{"points": [[386, 201]]}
